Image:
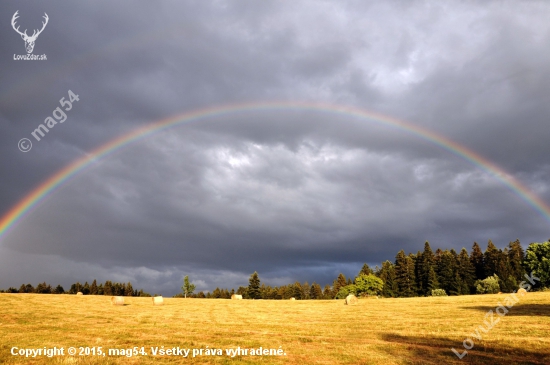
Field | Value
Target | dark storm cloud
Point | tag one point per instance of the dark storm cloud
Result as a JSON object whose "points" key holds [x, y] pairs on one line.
{"points": [[294, 194]]}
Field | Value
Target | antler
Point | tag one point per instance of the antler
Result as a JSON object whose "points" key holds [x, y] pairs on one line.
{"points": [[15, 16], [34, 34]]}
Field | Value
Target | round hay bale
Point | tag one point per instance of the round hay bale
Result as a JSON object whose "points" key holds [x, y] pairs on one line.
{"points": [[236, 296], [79, 293], [499, 292], [351, 300], [522, 291], [117, 300], [158, 300], [292, 298]]}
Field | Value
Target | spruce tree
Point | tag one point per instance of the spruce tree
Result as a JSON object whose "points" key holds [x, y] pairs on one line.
{"points": [[217, 293], [327, 292], [387, 274], [490, 259], [446, 267], [417, 259], [254, 286], [404, 272], [516, 256], [93, 288], [467, 272], [129, 290], [427, 262], [457, 286], [476, 259], [108, 288], [297, 290], [305, 290], [315, 291], [340, 282], [432, 282], [365, 270]]}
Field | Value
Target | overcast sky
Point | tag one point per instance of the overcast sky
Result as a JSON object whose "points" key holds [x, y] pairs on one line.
{"points": [[295, 194]]}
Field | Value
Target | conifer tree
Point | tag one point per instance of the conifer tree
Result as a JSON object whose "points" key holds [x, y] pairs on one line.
{"points": [[387, 274], [365, 270], [75, 288], [86, 288], [217, 293], [340, 282], [129, 290], [476, 258], [516, 256], [315, 291], [297, 290], [281, 292], [467, 272], [457, 286], [417, 260], [254, 286], [427, 262], [432, 283], [404, 272], [490, 259], [43, 288], [446, 267], [108, 288], [305, 290], [327, 292], [93, 288]]}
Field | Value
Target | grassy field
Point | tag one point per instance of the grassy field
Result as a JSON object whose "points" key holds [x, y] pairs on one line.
{"points": [[383, 331]]}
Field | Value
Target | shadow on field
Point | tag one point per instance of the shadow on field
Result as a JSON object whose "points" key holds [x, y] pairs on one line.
{"points": [[518, 309], [437, 350]]}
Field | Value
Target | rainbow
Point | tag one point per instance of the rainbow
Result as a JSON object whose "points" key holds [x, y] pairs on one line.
{"points": [[47, 187]]}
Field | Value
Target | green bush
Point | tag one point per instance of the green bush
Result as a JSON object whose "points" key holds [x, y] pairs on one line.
{"points": [[488, 285], [439, 293], [368, 285], [345, 291]]}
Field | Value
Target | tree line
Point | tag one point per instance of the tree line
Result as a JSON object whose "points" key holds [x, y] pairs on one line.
{"points": [[426, 273], [443, 272], [107, 288]]}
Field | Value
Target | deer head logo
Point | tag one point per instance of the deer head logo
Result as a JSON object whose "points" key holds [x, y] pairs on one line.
{"points": [[29, 41]]}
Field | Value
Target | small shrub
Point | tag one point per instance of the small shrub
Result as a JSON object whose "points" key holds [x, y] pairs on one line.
{"points": [[488, 285], [345, 291], [439, 293]]}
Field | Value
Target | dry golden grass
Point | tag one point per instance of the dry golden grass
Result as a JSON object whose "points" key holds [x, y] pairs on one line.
{"points": [[385, 331]]}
